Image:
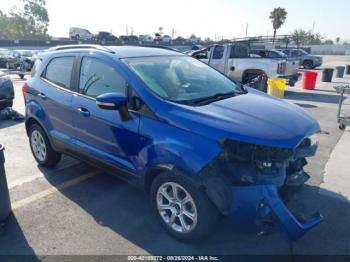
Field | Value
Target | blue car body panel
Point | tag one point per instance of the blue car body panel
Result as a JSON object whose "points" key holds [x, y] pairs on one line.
{"points": [[254, 118], [188, 138]]}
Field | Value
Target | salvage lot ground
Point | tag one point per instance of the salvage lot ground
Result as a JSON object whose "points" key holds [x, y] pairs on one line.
{"points": [[96, 214]]}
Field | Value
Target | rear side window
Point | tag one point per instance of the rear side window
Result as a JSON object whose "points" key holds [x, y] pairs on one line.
{"points": [[59, 71], [239, 51], [97, 78]]}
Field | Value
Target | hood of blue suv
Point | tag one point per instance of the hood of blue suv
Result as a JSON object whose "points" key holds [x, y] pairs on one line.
{"points": [[254, 118]]}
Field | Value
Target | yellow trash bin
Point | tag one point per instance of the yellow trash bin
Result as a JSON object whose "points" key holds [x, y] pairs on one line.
{"points": [[276, 87]]}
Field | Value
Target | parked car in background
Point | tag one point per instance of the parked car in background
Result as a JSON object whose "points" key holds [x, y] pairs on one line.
{"points": [[200, 144], [292, 64], [306, 60], [21, 59], [234, 60], [76, 33], [133, 38], [124, 38], [5, 54], [179, 39], [7, 93], [146, 38], [166, 38], [105, 36]]}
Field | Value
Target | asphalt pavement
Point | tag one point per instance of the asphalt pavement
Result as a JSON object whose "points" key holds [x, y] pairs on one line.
{"points": [[75, 209]]}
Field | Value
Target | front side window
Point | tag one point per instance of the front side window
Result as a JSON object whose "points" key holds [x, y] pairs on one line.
{"points": [[59, 71], [180, 78], [97, 78], [218, 52]]}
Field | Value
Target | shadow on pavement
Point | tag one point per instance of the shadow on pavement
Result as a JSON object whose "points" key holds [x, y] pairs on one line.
{"points": [[15, 247], [306, 105], [126, 211]]}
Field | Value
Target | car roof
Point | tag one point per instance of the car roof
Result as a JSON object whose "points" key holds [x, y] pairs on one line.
{"points": [[118, 51]]}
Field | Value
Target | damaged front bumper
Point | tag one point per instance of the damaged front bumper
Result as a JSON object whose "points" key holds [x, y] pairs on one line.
{"points": [[258, 206], [255, 177]]}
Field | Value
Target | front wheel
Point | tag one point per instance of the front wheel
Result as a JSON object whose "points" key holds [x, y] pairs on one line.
{"points": [[41, 147], [182, 208]]}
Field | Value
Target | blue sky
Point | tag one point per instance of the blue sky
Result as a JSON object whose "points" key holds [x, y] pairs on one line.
{"points": [[207, 18]]}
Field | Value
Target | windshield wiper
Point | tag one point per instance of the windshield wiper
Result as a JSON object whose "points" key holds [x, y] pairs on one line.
{"points": [[213, 98]]}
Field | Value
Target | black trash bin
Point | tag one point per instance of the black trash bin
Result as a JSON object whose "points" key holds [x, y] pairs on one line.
{"points": [[340, 71], [327, 75], [347, 69], [5, 204]]}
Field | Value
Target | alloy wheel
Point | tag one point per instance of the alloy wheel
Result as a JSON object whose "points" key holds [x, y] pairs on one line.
{"points": [[38, 145], [176, 207]]}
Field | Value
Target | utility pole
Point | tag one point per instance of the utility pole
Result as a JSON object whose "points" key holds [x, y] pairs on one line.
{"points": [[313, 27], [127, 30], [173, 33], [246, 30]]}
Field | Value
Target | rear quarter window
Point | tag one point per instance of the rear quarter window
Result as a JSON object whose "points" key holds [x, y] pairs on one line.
{"points": [[59, 71], [36, 67]]}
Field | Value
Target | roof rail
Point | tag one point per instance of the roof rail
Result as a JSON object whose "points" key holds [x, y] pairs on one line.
{"points": [[97, 47], [160, 46]]}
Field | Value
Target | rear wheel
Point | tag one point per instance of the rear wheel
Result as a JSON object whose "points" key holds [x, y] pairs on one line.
{"points": [[182, 208], [308, 64], [41, 147], [249, 77]]}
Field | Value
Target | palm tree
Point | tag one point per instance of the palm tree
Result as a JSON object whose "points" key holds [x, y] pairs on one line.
{"points": [[277, 17]]}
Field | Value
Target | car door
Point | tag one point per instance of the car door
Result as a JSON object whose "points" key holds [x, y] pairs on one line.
{"points": [[55, 93], [217, 59], [101, 135]]}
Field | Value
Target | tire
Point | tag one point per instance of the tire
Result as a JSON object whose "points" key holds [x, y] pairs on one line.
{"points": [[21, 76], [49, 157], [205, 214], [342, 126], [248, 77], [308, 64]]}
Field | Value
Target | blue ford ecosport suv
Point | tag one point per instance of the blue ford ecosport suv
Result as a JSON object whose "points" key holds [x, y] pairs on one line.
{"points": [[199, 144]]}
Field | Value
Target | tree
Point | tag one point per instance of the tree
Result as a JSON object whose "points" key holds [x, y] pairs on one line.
{"points": [[299, 37], [31, 22], [278, 16], [302, 37], [337, 40]]}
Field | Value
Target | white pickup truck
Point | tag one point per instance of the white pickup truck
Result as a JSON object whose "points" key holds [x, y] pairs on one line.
{"points": [[235, 61]]}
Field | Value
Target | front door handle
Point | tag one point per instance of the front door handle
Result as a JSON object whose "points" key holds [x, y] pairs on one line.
{"points": [[232, 68], [42, 95], [83, 111]]}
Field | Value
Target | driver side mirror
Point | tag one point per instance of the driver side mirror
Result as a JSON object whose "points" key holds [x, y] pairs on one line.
{"points": [[114, 101]]}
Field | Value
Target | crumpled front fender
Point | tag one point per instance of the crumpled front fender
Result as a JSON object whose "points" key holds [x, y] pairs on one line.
{"points": [[251, 204]]}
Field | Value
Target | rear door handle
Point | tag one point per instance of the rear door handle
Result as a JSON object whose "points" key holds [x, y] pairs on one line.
{"points": [[83, 111], [42, 95]]}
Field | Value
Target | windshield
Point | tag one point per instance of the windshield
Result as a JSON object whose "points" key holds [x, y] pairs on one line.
{"points": [[181, 78], [303, 52], [279, 53]]}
